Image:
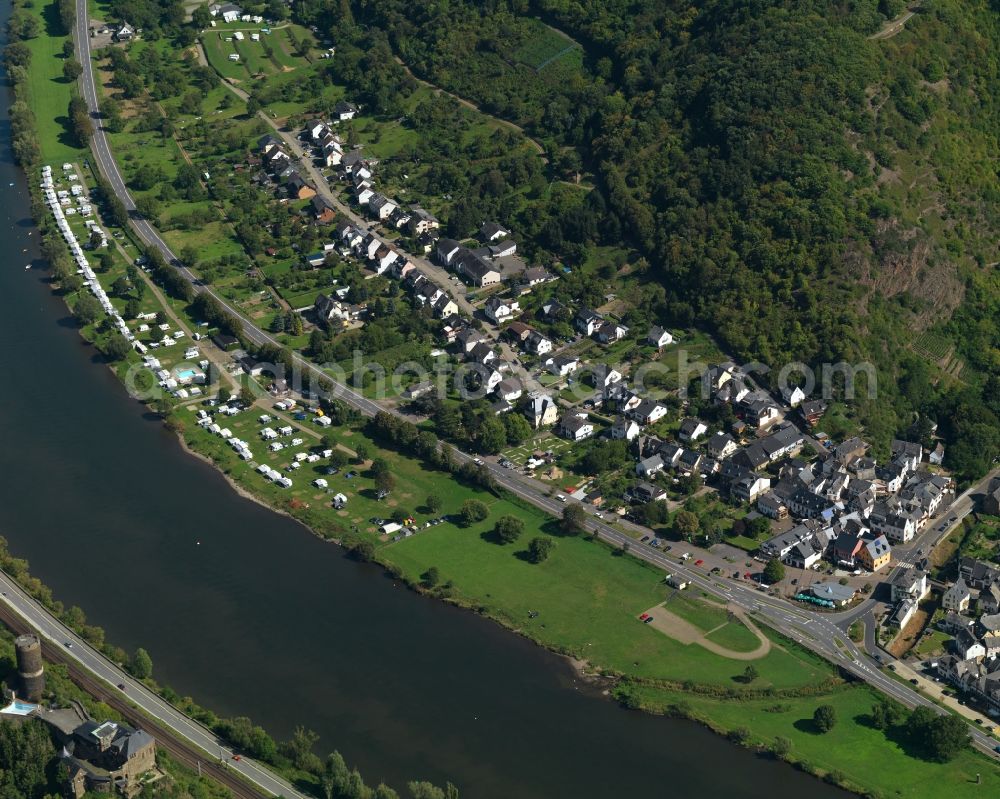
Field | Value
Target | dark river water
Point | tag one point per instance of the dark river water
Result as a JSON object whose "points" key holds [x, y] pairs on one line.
{"points": [[264, 620]]}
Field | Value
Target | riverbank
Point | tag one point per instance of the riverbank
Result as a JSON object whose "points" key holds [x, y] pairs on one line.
{"points": [[484, 555]]}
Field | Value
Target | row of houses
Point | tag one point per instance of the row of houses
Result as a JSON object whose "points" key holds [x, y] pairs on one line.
{"points": [[974, 665]]}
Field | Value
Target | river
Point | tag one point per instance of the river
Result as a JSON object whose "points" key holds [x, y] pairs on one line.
{"points": [[250, 614]]}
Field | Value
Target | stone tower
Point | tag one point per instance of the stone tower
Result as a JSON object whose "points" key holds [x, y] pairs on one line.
{"points": [[30, 667]]}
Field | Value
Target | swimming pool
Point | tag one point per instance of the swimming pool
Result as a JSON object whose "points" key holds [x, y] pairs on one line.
{"points": [[18, 708], [186, 374]]}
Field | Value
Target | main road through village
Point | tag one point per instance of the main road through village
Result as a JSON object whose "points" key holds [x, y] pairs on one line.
{"points": [[824, 633]]}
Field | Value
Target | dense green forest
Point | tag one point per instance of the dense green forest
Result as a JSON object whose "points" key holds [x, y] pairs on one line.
{"points": [[801, 190]]}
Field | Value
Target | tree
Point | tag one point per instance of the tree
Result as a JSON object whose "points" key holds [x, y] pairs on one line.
{"points": [[363, 550], [430, 578], [385, 482], [774, 571], [68, 49], [508, 529], [115, 347], [574, 519], [492, 435], [825, 718], [361, 451], [338, 458], [540, 548], [87, 310], [433, 503], [141, 665], [72, 69], [148, 206], [686, 524], [300, 747], [750, 674], [782, 747], [941, 737], [201, 17], [473, 511], [758, 527]]}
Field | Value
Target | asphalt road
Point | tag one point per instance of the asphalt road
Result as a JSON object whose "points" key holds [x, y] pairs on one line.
{"points": [[96, 664], [819, 632]]}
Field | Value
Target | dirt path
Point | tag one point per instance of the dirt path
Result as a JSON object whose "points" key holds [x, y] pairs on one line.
{"points": [[472, 106], [686, 633]]}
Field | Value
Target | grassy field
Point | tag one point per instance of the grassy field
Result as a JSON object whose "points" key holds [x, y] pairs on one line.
{"points": [[593, 612], [861, 754], [217, 50], [50, 91]]}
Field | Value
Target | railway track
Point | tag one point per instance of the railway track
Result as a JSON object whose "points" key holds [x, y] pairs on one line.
{"points": [[179, 750]]}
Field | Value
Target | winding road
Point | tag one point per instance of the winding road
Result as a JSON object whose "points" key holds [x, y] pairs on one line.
{"points": [[822, 633]]}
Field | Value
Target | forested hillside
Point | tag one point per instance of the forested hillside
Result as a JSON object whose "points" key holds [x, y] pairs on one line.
{"points": [[801, 189]]}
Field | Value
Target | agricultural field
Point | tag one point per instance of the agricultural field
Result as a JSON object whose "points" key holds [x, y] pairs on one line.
{"points": [[543, 47]]}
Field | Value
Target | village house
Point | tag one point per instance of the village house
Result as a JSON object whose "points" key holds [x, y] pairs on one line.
{"points": [[299, 188], [537, 344], [380, 206], [875, 553], [541, 411], [793, 396], [812, 411], [445, 306], [576, 427], [910, 584], [323, 212], [647, 492], [499, 310], [229, 12], [648, 412], [749, 487], [772, 506], [691, 430], [468, 338], [624, 428], [492, 231], [509, 389], [966, 646], [422, 221], [344, 111], [658, 337], [647, 467], [722, 445], [562, 365], [977, 574], [587, 321], [534, 276], [957, 597]]}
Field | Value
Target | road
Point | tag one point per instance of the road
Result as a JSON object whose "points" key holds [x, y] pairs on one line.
{"points": [[894, 26], [52, 630], [818, 632]]}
